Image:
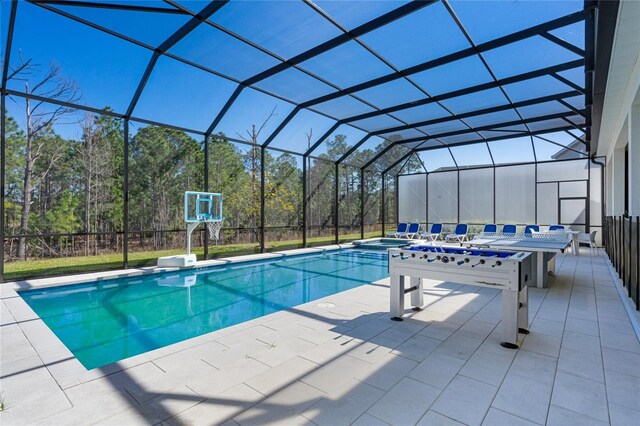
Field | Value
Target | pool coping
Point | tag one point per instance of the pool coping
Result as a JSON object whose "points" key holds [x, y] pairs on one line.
{"points": [[64, 367]]}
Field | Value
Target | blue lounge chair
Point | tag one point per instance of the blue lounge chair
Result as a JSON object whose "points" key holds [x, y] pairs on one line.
{"points": [[460, 233], [490, 229], [530, 229], [412, 231], [401, 229], [508, 229], [434, 232], [556, 228]]}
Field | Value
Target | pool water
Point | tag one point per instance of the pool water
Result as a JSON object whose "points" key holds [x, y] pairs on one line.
{"points": [[103, 322]]}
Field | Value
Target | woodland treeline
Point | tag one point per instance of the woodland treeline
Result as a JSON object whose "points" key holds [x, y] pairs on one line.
{"points": [[58, 187]]}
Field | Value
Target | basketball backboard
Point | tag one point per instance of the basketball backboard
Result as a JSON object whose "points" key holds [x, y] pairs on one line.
{"points": [[202, 206]]}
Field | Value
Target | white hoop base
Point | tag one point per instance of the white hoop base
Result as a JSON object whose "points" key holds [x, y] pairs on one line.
{"points": [[180, 261]]}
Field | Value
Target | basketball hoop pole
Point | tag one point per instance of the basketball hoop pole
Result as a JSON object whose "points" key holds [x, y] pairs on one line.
{"points": [[191, 226], [199, 207], [202, 207]]}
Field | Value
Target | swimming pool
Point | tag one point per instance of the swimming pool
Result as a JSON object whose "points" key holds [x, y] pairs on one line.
{"points": [[103, 322]]}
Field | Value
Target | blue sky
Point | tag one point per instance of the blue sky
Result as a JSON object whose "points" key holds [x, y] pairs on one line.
{"points": [[108, 69]]}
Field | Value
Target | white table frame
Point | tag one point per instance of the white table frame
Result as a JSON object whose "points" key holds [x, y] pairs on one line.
{"points": [[512, 277], [544, 257]]}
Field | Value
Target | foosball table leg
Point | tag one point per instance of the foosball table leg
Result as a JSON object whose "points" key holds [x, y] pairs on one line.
{"points": [[417, 295], [541, 269], [397, 297], [551, 265], [510, 311], [523, 311]]}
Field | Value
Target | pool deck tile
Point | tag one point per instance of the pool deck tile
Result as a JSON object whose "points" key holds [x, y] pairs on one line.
{"points": [[622, 416], [497, 417], [220, 408], [344, 405], [465, 400], [431, 418], [339, 360], [405, 403]]}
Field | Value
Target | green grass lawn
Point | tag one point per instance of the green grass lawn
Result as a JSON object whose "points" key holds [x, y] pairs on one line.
{"points": [[68, 265]]}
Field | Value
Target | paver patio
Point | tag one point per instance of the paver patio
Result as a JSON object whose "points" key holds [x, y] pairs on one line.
{"points": [[346, 363]]}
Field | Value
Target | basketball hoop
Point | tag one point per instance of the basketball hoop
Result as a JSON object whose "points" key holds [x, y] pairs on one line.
{"points": [[205, 208], [199, 207], [214, 226]]}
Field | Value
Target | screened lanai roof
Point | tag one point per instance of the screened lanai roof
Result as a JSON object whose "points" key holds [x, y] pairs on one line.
{"points": [[460, 83]]}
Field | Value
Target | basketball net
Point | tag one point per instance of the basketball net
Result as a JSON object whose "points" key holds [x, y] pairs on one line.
{"points": [[214, 226]]}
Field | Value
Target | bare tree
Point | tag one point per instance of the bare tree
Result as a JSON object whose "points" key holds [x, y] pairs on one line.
{"points": [[96, 162], [252, 137], [40, 118], [309, 136]]}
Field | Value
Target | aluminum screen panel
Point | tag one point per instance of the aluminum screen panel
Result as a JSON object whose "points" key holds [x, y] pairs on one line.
{"points": [[253, 108], [303, 53], [412, 196], [476, 196], [541, 109], [475, 101], [295, 85], [437, 159], [547, 208], [472, 155], [346, 65], [488, 20], [392, 93], [517, 150], [527, 55], [573, 189], [443, 197], [149, 27], [377, 123], [575, 75], [339, 141], [421, 113], [352, 13], [469, 72], [515, 194], [535, 88], [431, 28], [199, 95], [343, 107], [298, 135], [206, 45], [45, 45], [404, 135], [287, 32], [573, 212]]}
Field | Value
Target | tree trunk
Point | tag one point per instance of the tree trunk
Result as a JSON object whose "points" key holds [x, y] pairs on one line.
{"points": [[87, 194], [254, 167], [26, 209], [27, 185]]}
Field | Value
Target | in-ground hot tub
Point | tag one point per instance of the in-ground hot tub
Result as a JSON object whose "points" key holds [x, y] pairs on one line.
{"points": [[381, 243]]}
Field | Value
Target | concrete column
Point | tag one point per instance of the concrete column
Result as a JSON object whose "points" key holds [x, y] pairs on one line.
{"points": [[617, 182], [634, 160]]}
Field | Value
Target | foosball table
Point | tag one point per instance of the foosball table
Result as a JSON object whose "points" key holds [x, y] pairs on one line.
{"points": [[509, 271]]}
